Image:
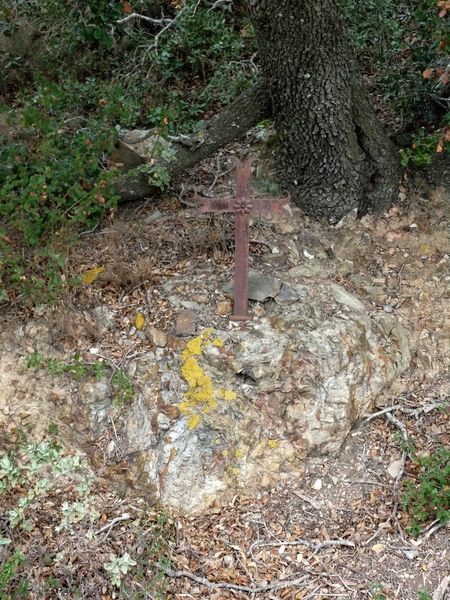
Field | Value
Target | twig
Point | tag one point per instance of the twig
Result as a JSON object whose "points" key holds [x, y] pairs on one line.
{"points": [[143, 18], [415, 412], [439, 592], [223, 4], [316, 546], [432, 528], [364, 482], [404, 432], [382, 526], [223, 585], [113, 523], [309, 500], [389, 409], [170, 24]]}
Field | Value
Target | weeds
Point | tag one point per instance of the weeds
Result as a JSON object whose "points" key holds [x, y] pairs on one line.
{"points": [[427, 495], [37, 476], [122, 387]]}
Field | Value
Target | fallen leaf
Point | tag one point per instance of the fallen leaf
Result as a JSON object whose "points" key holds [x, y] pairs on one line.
{"points": [[139, 321], [90, 276], [428, 73], [126, 7], [378, 548]]}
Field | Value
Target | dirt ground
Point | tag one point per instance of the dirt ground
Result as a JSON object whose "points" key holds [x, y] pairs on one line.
{"points": [[339, 530]]}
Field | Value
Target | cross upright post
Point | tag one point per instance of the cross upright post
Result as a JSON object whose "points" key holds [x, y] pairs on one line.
{"points": [[242, 205]]}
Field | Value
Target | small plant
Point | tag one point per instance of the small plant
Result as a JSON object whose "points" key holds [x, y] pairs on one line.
{"points": [[427, 497], [118, 566], [422, 149], [74, 512], [8, 571], [123, 388], [76, 368], [34, 469], [423, 595], [155, 168], [377, 591]]}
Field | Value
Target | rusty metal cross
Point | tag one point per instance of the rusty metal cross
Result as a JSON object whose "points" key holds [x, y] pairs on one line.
{"points": [[242, 205]]}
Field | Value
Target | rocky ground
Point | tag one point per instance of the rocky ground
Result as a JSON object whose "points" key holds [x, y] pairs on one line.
{"points": [[156, 271]]}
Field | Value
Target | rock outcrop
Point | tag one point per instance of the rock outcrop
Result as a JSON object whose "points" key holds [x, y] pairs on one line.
{"points": [[224, 412], [240, 410]]}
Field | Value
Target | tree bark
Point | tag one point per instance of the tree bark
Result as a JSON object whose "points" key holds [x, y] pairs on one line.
{"points": [[229, 125], [333, 153]]}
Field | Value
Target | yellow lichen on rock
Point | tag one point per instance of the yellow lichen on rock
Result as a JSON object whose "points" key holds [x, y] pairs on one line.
{"points": [[193, 421], [228, 395], [192, 372], [200, 397]]}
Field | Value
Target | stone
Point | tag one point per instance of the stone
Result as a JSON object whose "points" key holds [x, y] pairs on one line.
{"points": [[395, 468], [98, 397], [286, 295], [312, 268], [290, 384], [343, 297], [125, 156], [226, 412], [156, 336], [135, 136], [260, 287], [200, 298], [104, 318], [224, 308], [185, 323]]}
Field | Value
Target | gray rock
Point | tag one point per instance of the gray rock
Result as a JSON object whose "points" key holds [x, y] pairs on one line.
{"points": [[185, 323], [104, 318], [97, 396], [260, 287], [135, 136], [310, 269], [156, 336], [286, 295], [343, 297]]}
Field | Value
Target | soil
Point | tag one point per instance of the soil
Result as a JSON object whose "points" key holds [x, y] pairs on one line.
{"points": [[338, 531]]}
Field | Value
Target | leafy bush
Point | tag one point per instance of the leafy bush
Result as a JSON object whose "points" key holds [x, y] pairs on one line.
{"points": [[397, 42], [55, 178], [55, 174]]}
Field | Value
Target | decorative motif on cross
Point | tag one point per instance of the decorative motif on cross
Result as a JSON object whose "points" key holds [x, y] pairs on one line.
{"points": [[243, 205]]}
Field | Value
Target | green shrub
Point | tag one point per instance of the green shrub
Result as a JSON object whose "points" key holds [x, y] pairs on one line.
{"points": [[427, 497], [396, 42], [55, 179]]}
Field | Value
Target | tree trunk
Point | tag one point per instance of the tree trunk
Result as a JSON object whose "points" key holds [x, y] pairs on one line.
{"points": [[333, 153]]}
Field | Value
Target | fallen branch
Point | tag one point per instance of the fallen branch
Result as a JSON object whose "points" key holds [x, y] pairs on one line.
{"points": [[382, 412], [144, 18], [168, 25], [232, 123], [113, 523], [316, 546], [223, 585], [431, 530], [222, 4]]}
